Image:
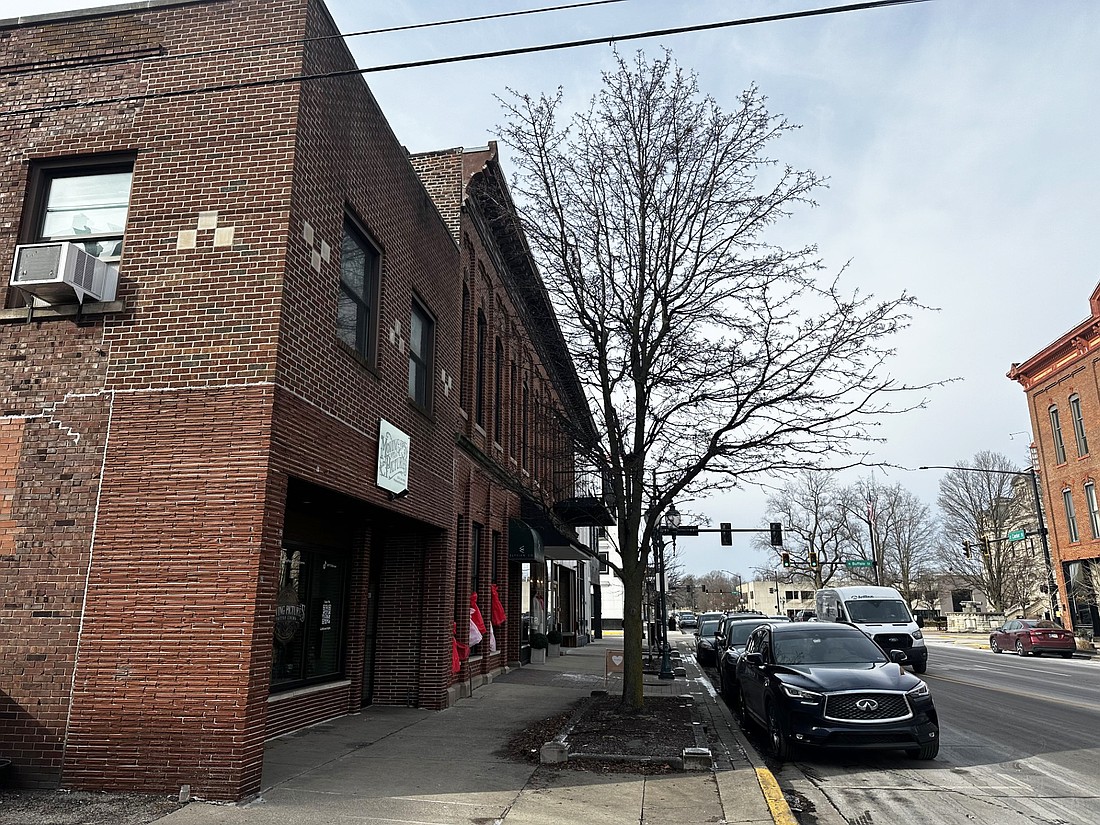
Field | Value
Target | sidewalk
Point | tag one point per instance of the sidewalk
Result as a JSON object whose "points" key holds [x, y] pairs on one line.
{"points": [[401, 765]]}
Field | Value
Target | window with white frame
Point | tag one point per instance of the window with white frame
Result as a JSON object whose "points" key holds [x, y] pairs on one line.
{"points": [[1071, 516], [1078, 426], [1056, 429], [1094, 511]]}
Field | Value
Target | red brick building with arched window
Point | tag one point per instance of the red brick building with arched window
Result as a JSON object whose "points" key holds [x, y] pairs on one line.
{"points": [[1063, 396]]}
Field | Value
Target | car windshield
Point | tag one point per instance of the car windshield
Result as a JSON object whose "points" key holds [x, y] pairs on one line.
{"points": [[824, 649], [709, 628], [877, 610]]}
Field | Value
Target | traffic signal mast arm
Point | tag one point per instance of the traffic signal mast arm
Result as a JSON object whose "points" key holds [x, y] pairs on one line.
{"points": [[727, 531]]}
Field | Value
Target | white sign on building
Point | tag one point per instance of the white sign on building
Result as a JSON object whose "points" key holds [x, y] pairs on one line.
{"points": [[393, 458]]}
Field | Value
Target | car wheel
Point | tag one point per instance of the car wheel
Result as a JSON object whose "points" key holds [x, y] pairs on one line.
{"points": [[1068, 654], [929, 750], [1020, 648], [994, 646], [920, 667], [781, 747]]}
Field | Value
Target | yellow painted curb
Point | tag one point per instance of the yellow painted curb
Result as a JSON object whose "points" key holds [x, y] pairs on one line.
{"points": [[777, 803]]}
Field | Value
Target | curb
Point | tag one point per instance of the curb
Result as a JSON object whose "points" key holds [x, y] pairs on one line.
{"points": [[773, 795]]}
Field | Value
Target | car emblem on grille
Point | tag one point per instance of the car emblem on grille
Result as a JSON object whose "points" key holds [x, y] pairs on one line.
{"points": [[867, 704]]}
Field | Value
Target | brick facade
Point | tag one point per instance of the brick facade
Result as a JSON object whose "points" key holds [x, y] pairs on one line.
{"points": [[1060, 380], [164, 461]]}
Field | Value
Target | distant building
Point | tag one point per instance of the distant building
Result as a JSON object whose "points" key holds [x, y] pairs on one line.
{"points": [[1063, 397]]}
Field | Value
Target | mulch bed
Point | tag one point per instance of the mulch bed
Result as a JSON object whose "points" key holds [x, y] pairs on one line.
{"points": [[661, 730]]}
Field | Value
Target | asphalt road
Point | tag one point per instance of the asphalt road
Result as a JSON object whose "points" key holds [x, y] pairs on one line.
{"points": [[1020, 746]]}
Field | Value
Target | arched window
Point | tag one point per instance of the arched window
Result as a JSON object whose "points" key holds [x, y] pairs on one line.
{"points": [[1056, 430], [1078, 426]]}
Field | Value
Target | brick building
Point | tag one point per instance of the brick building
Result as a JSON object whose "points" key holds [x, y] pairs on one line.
{"points": [[233, 504], [1063, 397]]}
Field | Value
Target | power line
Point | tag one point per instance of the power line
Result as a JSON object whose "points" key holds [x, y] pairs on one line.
{"points": [[66, 62], [875, 4]]}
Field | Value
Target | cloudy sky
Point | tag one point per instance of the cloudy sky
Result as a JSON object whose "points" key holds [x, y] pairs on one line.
{"points": [[959, 138]]}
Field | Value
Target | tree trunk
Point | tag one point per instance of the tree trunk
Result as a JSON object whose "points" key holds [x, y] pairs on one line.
{"points": [[632, 641]]}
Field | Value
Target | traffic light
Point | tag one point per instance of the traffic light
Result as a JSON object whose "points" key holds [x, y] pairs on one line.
{"points": [[777, 534], [813, 559], [966, 549], [703, 587], [786, 558], [727, 534], [986, 550]]}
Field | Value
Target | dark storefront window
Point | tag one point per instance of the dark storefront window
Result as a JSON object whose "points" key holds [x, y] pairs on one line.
{"points": [[309, 617]]}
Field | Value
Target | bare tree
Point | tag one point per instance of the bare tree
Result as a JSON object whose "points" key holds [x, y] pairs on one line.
{"points": [[710, 356], [815, 526], [890, 526], [978, 506]]}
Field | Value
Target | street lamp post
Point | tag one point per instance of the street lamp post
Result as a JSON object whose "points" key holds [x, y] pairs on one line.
{"points": [[1041, 528], [672, 524]]}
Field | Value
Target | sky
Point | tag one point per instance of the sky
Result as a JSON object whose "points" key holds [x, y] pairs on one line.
{"points": [[960, 142]]}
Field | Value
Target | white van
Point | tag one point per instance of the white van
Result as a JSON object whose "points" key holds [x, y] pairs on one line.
{"points": [[881, 613]]}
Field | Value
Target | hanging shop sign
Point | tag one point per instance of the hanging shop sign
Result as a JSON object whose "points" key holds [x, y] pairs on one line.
{"points": [[393, 458]]}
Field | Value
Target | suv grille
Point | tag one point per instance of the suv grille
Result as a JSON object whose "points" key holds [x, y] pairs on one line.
{"points": [[866, 707], [893, 641]]}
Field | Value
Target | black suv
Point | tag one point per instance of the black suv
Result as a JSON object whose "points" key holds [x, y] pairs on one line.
{"points": [[827, 684]]}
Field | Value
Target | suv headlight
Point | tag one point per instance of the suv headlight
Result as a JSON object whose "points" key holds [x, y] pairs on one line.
{"points": [[921, 691], [807, 696], [918, 634]]}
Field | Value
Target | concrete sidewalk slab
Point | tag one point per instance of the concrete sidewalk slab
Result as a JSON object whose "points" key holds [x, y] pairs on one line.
{"points": [[387, 765]]}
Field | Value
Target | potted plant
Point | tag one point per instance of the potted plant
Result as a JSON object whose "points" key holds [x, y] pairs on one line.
{"points": [[539, 643], [554, 640]]}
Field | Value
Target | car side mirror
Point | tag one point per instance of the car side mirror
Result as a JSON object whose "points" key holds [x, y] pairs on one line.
{"points": [[898, 656], [756, 659]]}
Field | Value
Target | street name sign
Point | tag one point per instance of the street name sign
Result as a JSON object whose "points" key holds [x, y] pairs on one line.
{"points": [[1016, 535], [858, 563]]}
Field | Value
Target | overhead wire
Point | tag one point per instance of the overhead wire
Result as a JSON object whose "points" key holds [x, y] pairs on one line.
{"points": [[39, 65], [439, 61]]}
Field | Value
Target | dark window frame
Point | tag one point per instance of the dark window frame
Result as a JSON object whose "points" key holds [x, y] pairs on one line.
{"points": [[40, 176], [422, 366], [480, 356], [368, 304], [344, 560], [498, 390]]}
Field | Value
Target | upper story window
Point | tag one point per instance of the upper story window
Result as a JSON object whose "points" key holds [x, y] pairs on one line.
{"points": [[464, 332], [1078, 426], [357, 310], [498, 391], [1094, 510], [479, 386], [421, 349], [84, 202], [1071, 516], [1056, 429]]}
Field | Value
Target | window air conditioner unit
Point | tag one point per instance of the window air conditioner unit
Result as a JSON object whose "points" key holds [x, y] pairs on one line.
{"points": [[58, 272]]}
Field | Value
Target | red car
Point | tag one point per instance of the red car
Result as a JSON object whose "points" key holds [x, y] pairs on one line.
{"points": [[1033, 637]]}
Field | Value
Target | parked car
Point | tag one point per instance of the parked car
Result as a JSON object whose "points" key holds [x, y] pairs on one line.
{"points": [[804, 616], [709, 615], [732, 638], [829, 685], [687, 621], [1033, 637], [705, 643]]}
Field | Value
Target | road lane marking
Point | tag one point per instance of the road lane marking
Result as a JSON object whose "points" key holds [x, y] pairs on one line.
{"points": [[1089, 706]]}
